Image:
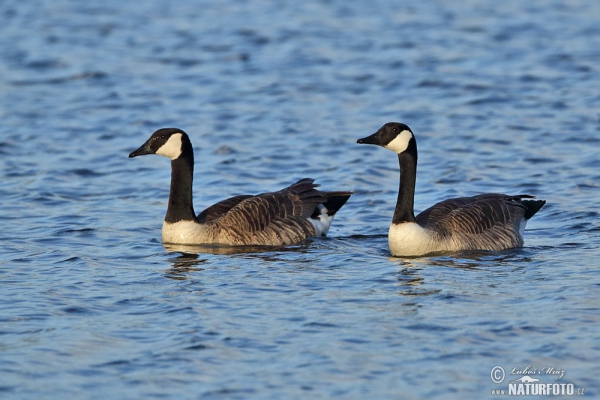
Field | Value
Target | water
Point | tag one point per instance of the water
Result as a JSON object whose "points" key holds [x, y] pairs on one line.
{"points": [[501, 97]]}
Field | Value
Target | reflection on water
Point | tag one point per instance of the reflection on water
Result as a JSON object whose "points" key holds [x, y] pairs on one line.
{"points": [[183, 265], [219, 249], [271, 92], [471, 259]]}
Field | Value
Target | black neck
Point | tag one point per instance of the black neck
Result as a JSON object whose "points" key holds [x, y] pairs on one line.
{"points": [[406, 194], [181, 207]]}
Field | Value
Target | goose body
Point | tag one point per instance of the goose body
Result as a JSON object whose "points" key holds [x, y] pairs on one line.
{"points": [[281, 218], [489, 221]]}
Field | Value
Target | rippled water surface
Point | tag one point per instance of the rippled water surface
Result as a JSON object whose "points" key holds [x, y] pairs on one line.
{"points": [[502, 97]]}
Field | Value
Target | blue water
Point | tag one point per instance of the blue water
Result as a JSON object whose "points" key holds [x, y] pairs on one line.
{"points": [[502, 97]]}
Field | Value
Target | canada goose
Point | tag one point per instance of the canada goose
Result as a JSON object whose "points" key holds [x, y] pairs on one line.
{"points": [[485, 222], [273, 219]]}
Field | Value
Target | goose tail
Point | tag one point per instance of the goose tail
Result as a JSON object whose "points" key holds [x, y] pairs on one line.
{"points": [[322, 216], [532, 207]]}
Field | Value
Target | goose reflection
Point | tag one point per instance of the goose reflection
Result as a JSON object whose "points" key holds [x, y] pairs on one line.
{"points": [[220, 249], [189, 259], [183, 265]]}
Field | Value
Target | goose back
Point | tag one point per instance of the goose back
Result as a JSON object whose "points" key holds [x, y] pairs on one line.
{"points": [[275, 219], [488, 221], [217, 210]]}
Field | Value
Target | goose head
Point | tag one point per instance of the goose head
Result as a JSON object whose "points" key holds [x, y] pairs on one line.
{"points": [[394, 136], [167, 142]]}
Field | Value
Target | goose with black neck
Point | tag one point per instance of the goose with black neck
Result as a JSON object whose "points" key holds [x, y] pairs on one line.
{"points": [[488, 221], [281, 218]]}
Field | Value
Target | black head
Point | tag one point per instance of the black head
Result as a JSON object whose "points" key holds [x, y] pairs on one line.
{"points": [[168, 142], [394, 136]]}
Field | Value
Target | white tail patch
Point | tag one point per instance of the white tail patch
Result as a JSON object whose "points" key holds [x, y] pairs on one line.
{"points": [[322, 222], [172, 147], [522, 225], [400, 142]]}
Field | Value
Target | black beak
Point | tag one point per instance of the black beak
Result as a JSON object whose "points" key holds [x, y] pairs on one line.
{"points": [[143, 150], [373, 139]]}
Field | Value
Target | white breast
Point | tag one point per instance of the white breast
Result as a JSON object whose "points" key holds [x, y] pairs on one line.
{"points": [[410, 239], [184, 232]]}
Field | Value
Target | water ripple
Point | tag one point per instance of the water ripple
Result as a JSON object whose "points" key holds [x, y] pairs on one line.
{"points": [[270, 93]]}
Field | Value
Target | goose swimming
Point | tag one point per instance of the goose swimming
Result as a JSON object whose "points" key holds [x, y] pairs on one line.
{"points": [[485, 222], [281, 218]]}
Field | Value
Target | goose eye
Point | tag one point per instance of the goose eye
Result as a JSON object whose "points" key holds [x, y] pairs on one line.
{"points": [[395, 130], [163, 137]]}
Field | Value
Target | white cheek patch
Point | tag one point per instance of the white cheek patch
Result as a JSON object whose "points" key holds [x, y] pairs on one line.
{"points": [[400, 142], [172, 148]]}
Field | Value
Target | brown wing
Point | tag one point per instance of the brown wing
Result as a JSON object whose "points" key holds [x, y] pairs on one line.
{"points": [[277, 218], [486, 221], [217, 210]]}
